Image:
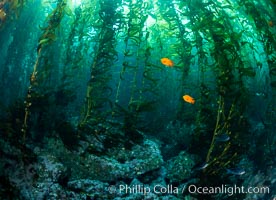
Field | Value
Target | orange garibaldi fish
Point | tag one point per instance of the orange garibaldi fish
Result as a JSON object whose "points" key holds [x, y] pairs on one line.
{"points": [[167, 62], [188, 99]]}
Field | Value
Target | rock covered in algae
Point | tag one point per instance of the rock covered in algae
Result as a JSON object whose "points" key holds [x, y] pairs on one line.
{"points": [[121, 163], [179, 168]]}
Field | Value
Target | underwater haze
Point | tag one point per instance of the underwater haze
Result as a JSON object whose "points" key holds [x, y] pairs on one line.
{"points": [[138, 99]]}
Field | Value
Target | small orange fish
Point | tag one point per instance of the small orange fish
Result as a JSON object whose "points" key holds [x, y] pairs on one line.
{"points": [[188, 99], [167, 62], [270, 23]]}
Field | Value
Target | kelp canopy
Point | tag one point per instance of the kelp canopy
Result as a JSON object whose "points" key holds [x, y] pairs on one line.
{"points": [[99, 60]]}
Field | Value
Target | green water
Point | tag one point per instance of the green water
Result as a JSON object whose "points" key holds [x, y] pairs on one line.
{"points": [[88, 78]]}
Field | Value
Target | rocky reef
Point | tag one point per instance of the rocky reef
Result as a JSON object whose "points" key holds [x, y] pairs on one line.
{"points": [[115, 165]]}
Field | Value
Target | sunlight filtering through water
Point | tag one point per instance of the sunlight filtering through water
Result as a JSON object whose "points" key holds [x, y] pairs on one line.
{"points": [[76, 3], [134, 99]]}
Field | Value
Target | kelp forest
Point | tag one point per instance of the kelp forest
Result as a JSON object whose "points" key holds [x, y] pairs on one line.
{"points": [[137, 99]]}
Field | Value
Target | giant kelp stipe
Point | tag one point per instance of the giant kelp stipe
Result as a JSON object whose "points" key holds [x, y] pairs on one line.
{"points": [[137, 92]]}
